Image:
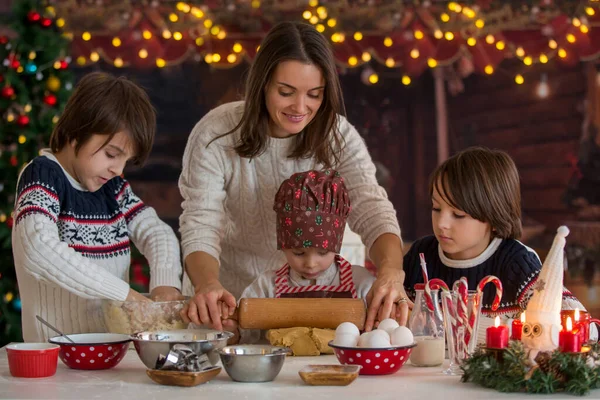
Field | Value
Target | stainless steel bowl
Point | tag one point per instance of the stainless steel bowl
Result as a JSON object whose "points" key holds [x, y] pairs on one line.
{"points": [[151, 345], [253, 362]]}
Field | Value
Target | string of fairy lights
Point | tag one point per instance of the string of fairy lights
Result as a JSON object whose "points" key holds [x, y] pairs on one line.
{"points": [[456, 21]]}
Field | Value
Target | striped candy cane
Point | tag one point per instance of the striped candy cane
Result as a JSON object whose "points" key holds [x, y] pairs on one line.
{"points": [[434, 282], [475, 305], [461, 288], [497, 283]]}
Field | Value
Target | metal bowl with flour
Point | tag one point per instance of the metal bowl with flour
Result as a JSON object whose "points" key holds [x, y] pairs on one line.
{"points": [[152, 346]]}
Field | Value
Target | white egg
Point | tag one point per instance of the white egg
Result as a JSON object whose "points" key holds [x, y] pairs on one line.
{"points": [[381, 333], [362, 340], [346, 340], [402, 336], [388, 325], [347, 327], [377, 339]]}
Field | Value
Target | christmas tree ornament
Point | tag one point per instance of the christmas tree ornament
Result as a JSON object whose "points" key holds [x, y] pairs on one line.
{"points": [[13, 160], [33, 16], [7, 92], [50, 99], [30, 68], [23, 120], [542, 316], [64, 64], [14, 64], [53, 84], [10, 222], [3, 40], [46, 22], [39, 76]]}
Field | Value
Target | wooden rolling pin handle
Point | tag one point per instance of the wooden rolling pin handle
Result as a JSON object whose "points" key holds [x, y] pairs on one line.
{"points": [[292, 312]]}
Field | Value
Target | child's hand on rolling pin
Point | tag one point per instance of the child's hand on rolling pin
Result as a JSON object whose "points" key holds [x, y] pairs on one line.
{"points": [[229, 325]]}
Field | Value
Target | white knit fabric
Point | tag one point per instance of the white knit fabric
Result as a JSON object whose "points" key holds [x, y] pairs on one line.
{"points": [[65, 288], [228, 200]]}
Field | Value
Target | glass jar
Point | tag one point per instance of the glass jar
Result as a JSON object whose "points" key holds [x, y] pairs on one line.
{"points": [[428, 330]]}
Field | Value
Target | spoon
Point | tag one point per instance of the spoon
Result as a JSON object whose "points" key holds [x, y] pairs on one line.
{"points": [[43, 321]]}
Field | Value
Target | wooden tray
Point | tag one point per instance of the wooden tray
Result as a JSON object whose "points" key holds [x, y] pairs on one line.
{"points": [[329, 375], [181, 378]]}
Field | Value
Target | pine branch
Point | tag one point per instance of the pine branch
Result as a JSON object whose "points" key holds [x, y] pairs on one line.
{"points": [[556, 372]]}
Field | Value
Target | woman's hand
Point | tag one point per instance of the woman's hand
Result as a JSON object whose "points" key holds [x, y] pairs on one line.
{"points": [[203, 307], [165, 293], [136, 296], [387, 298]]}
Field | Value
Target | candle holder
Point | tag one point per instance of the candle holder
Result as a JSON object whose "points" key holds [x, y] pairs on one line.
{"points": [[497, 354]]}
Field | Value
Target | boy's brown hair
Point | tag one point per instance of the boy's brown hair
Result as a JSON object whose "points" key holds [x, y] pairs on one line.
{"points": [[485, 184], [105, 105]]}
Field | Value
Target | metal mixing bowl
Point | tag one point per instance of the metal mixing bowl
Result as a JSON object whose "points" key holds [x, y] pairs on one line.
{"points": [[151, 345], [253, 362]]}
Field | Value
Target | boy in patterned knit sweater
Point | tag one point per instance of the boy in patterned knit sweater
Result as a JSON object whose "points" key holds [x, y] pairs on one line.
{"points": [[476, 218], [311, 209], [75, 215]]}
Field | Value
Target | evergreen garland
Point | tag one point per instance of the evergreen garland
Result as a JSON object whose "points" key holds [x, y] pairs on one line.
{"points": [[512, 372]]}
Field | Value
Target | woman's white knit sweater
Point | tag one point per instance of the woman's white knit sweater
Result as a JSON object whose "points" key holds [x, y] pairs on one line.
{"points": [[228, 200]]}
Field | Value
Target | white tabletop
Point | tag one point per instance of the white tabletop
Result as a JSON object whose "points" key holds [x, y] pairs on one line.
{"points": [[128, 380]]}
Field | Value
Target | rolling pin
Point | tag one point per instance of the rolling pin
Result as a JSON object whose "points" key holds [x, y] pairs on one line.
{"points": [[291, 312]]}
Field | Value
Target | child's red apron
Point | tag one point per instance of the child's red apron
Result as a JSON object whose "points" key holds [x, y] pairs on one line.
{"points": [[345, 289]]}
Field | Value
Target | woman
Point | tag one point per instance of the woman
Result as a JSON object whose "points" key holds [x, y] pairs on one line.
{"points": [[238, 155]]}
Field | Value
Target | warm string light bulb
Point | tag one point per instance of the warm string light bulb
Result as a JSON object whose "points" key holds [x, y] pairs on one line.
{"points": [[519, 79]]}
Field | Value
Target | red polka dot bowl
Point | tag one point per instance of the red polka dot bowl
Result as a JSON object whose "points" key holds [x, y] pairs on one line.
{"points": [[92, 350], [382, 361]]}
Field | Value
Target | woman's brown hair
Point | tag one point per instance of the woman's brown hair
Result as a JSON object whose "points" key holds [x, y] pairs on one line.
{"points": [[102, 104], [485, 184], [320, 139]]}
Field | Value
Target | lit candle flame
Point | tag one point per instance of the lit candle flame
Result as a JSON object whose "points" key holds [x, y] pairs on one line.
{"points": [[569, 324], [497, 322], [523, 317], [577, 315]]}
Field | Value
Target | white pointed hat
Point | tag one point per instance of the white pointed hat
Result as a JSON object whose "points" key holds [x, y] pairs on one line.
{"points": [[546, 302]]}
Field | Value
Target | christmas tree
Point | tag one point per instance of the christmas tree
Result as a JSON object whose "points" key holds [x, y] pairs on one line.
{"points": [[35, 83]]}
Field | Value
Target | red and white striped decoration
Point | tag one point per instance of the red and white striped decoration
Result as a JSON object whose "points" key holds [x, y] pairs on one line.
{"points": [[346, 282]]}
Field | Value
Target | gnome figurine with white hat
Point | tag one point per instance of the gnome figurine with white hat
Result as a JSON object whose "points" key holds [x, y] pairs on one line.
{"points": [[540, 331]]}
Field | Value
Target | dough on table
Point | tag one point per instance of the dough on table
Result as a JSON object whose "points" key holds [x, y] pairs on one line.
{"points": [[303, 341]]}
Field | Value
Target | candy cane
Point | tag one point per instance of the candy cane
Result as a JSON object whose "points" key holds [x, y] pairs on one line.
{"points": [[497, 283], [423, 267], [477, 299], [428, 285], [461, 289]]}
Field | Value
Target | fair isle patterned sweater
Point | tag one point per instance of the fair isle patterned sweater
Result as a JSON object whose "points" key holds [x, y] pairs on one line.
{"points": [[72, 248], [228, 200]]}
